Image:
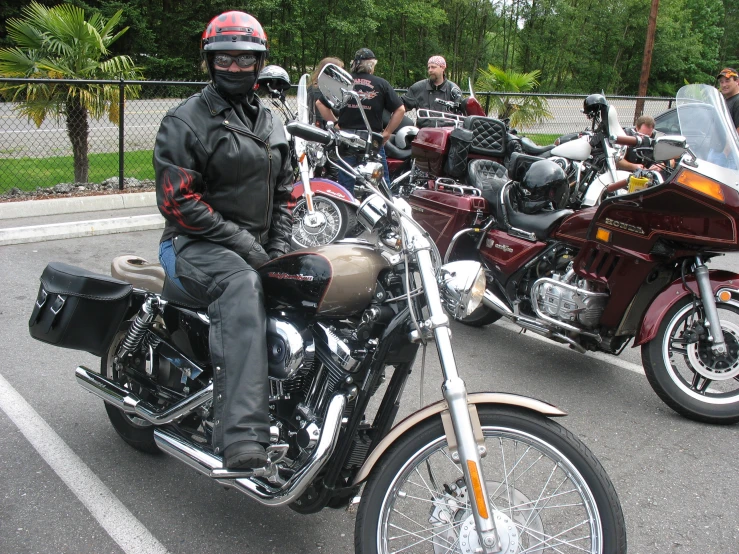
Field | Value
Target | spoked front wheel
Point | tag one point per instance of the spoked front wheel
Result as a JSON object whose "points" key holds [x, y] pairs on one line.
{"points": [[547, 491], [327, 224], [685, 372]]}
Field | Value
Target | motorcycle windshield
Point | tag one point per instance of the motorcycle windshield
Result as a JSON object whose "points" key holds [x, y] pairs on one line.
{"points": [[706, 124], [303, 117]]}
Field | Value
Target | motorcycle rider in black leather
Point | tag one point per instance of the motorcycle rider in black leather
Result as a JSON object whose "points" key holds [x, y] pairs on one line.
{"points": [[423, 94], [223, 180]]}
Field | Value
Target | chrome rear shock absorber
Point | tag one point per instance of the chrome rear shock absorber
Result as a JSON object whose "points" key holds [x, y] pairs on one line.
{"points": [[143, 321]]}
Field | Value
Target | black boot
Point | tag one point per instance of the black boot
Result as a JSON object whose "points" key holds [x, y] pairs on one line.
{"points": [[245, 455]]}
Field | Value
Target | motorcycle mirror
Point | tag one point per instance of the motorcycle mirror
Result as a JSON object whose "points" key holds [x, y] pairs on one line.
{"points": [[669, 147], [334, 84]]}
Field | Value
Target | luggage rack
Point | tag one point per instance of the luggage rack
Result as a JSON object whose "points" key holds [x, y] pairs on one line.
{"points": [[444, 184], [424, 113]]}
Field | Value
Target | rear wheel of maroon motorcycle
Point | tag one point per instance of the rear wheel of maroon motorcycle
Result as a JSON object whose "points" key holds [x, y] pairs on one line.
{"points": [[547, 491], [480, 317], [326, 225], [135, 431], [686, 374]]}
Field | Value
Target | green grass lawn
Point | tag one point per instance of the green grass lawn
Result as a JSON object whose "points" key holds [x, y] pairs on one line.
{"points": [[29, 173]]}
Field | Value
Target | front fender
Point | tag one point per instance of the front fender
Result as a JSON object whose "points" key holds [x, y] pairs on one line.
{"points": [[432, 410], [675, 292], [324, 187]]}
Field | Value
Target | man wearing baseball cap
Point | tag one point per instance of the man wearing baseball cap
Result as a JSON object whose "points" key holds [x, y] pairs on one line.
{"points": [[376, 95], [728, 80], [423, 94]]}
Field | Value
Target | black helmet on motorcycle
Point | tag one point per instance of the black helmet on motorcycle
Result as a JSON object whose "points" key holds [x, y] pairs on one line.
{"points": [[274, 78], [595, 105], [543, 185]]}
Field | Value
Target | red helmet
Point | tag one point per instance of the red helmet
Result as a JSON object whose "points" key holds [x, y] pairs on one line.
{"points": [[234, 31]]}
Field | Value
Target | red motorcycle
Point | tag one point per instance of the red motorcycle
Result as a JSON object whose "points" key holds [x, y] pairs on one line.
{"points": [[633, 267], [443, 152]]}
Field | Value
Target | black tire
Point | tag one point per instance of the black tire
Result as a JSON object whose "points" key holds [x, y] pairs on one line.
{"points": [[689, 379], [480, 317], [526, 438], [336, 220], [135, 431]]}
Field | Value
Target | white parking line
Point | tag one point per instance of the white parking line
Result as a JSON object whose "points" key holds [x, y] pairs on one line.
{"points": [[113, 516], [600, 356]]}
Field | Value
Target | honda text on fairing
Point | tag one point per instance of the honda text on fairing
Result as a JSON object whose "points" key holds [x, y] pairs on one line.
{"points": [[631, 268], [475, 472]]}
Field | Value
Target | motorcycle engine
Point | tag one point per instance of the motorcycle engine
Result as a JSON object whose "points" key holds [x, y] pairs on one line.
{"points": [[568, 299]]}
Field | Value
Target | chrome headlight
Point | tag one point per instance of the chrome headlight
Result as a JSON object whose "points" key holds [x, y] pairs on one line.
{"points": [[373, 212], [462, 287]]}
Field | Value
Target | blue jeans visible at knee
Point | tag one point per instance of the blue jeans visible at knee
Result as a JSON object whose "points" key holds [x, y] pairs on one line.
{"points": [[167, 258], [345, 180]]}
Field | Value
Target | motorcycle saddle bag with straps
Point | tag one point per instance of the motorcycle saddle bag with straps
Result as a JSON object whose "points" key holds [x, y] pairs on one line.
{"points": [[79, 309], [460, 141]]}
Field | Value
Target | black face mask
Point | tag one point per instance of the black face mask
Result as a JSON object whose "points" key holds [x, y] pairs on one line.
{"points": [[235, 85]]}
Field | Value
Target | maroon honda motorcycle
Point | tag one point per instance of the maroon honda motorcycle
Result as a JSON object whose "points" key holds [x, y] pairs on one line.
{"points": [[633, 267]]}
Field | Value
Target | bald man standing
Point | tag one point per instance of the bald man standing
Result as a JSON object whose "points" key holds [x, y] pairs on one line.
{"points": [[423, 94]]}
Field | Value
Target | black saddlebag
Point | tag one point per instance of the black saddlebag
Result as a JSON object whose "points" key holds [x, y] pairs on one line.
{"points": [[78, 309], [460, 142]]}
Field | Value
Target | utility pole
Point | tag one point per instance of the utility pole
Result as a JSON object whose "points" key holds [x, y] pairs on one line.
{"points": [[647, 60]]}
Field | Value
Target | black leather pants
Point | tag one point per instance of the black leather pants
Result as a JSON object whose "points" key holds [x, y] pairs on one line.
{"points": [[238, 337]]}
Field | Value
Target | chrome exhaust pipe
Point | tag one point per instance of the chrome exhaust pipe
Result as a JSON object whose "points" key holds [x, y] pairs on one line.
{"points": [[490, 300], [127, 401], [210, 465]]}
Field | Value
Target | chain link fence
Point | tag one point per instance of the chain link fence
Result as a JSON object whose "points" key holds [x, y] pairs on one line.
{"points": [[36, 158]]}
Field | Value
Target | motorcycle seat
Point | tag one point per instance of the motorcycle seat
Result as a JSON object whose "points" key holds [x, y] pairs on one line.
{"points": [[489, 136], [392, 151], [540, 224], [178, 296], [530, 147], [489, 178]]}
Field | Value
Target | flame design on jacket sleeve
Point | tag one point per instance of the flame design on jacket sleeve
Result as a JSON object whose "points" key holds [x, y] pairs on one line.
{"points": [[172, 190]]}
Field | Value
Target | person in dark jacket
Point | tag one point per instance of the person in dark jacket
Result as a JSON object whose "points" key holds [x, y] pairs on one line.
{"points": [[376, 95], [223, 180], [423, 94], [728, 80]]}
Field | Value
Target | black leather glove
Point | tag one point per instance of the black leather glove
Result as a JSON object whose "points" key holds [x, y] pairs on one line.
{"points": [[257, 257], [274, 254]]}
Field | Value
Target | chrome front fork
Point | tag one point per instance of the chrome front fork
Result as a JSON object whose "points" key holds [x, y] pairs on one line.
{"points": [[713, 323], [455, 394]]}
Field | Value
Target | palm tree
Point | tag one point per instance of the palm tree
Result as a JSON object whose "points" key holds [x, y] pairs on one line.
{"points": [[522, 110], [58, 43]]}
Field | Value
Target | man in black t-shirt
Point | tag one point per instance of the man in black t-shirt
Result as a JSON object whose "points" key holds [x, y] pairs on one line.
{"points": [[728, 80], [376, 94]]}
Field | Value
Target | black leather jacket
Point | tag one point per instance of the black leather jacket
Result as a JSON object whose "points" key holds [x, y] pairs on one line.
{"points": [[220, 181]]}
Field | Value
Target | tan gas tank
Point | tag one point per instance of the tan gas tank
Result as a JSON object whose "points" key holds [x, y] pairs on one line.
{"points": [[334, 280]]}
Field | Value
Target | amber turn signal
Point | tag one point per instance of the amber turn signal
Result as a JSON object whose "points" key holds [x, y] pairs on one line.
{"points": [[603, 235], [701, 184]]}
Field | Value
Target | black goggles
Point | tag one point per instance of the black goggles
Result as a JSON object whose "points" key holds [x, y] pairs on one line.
{"points": [[242, 60]]}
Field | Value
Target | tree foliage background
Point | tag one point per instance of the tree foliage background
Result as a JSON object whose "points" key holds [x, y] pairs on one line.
{"points": [[579, 46]]}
